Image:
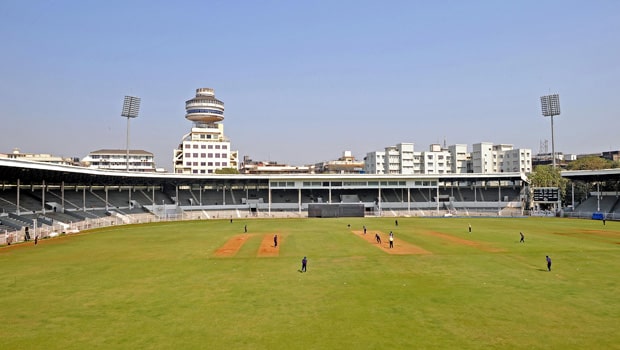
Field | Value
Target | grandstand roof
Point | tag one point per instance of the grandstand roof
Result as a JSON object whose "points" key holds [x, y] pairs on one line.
{"points": [[29, 172], [592, 175]]}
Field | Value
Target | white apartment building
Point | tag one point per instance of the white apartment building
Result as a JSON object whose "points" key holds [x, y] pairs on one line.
{"points": [[489, 158], [436, 160], [116, 159], [399, 159], [461, 159], [484, 158], [517, 160], [374, 162], [205, 149]]}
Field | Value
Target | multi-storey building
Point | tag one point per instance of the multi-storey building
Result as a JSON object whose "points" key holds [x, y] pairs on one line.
{"points": [[205, 149], [374, 162], [399, 159], [461, 159], [489, 158], [485, 158], [116, 159], [436, 160], [347, 164]]}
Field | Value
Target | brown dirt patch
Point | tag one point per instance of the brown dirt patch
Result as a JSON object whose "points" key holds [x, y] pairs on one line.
{"points": [[267, 247], [592, 235], [232, 246], [461, 241], [400, 247]]}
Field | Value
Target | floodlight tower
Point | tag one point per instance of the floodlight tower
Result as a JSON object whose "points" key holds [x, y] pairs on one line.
{"points": [[131, 107], [550, 107]]}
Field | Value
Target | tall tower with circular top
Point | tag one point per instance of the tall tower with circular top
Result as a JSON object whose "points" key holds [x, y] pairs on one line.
{"points": [[205, 149], [204, 108]]}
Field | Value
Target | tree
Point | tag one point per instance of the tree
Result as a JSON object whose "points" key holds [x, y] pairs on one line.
{"points": [[591, 163], [548, 176], [227, 171]]}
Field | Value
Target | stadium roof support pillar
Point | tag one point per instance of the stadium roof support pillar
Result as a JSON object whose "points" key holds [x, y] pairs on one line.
{"points": [[17, 198], [62, 196], [408, 200], [43, 197]]}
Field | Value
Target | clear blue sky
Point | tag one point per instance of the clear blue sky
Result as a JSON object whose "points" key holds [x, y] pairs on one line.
{"points": [[304, 81]]}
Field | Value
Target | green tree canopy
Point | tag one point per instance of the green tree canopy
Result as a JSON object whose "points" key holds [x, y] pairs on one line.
{"points": [[548, 176], [591, 163]]}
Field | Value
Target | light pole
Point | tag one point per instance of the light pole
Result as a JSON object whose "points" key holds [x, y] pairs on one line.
{"points": [[550, 107], [131, 107]]}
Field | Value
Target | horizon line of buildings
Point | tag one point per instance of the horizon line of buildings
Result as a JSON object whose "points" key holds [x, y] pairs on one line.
{"points": [[205, 150]]}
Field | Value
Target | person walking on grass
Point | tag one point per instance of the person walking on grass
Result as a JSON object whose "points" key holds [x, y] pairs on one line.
{"points": [[522, 238], [304, 264], [378, 238], [548, 263], [275, 241], [364, 229]]}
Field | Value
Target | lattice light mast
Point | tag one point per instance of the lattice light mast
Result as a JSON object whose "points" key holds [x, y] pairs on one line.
{"points": [[131, 108], [551, 107]]}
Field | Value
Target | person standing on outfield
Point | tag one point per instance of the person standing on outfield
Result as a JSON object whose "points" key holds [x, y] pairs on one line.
{"points": [[364, 229], [469, 228], [548, 263], [378, 238], [522, 238], [391, 240], [275, 241], [396, 222], [245, 228], [304, 263]]}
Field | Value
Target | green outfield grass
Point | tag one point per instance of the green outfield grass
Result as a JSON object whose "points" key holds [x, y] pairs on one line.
{"points": [[160, 286]]}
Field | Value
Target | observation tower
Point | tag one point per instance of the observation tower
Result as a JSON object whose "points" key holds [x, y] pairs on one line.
{"points": [[204, 108], [205, 149]]}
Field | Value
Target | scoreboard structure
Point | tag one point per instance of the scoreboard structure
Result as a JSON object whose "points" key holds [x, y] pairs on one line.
{"points": [[546, 194]]}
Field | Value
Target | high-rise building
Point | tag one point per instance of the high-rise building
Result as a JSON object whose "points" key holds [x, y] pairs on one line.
{"points": [[205, 149]]}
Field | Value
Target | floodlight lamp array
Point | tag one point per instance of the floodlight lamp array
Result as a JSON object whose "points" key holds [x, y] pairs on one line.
{"points": [[131, 107], [550, 105]]}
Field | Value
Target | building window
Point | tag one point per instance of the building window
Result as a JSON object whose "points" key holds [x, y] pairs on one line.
{"points": [[210, 163], [217, 163], [195, 155], [203, 146], [196, 146], [203, 155], [187, 155], [224, 147], [210, 155]]}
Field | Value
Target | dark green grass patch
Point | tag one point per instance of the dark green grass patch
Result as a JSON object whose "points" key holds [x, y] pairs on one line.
{"points": [[161, 286]]}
